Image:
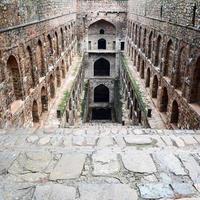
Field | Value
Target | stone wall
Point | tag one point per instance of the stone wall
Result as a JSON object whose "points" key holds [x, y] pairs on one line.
{"points": [[182, 12], [166, 55], [20, 12], [34, 59]]}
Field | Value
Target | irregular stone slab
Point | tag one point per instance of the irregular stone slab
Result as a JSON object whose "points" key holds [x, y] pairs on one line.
{"points": [[189, 140], [177, 141], [169, 162], [6, 160], [167, 140], [138, 161], [31, 161], [155, 191], [32, 139], [13, 190], [54, 192], [78, 140], [105, 141], [105, 162], [34, 177], [56, 140], [44, 140], [138, 140], [183, 189], [107, 192], [69, 167], [193, 168]]}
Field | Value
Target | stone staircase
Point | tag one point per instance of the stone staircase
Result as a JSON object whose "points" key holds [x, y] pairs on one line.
{"points": [[99, 162]]}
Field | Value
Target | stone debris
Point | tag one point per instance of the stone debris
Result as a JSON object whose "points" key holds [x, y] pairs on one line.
{"points": [[104, 165]]}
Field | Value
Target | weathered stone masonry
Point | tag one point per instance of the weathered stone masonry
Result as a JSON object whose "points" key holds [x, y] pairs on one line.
{"points": [[165, 50], [35, 57]]}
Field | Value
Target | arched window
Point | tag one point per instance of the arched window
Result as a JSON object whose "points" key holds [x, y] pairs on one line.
{"points": [[164, 100], [144, 40], [142, 70], [57, 43], [136, 34], [139, 37], [50, 45], [155, 87], [35, 114], [150, 45], [62, 39], [102, 67], [175, 113], [101, 43], [44, 99], [157, 56], [63, 69], [138, 63], [31, 67], [40, 59], [169, 58], [195, 93], [14, 74], [52, 87], [58, 77], [148, 76], [102, 31], [180, 75], [101, 94]]}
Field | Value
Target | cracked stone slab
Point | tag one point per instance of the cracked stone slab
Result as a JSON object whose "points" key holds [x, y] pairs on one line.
{"points": [[105, 141], [69, 166], [193, 168], [137, 140], [105, 162], [54, 192], [6, 159], [31, 162], [155, 191], [138, 161], [13, 190], [107, 192], [168, 161], [183, 189]]}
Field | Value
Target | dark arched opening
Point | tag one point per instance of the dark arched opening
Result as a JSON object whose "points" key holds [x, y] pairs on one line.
{"points": [[175, 113], [158, 43], [35, 114], [101, 43], [195, 93], [102, 67], [44, 99], [58, 77], [164, 100], [16, 78], [169, 57], [155, 87], [101, 94], [52, 87], [101, 31], [148, 76]]}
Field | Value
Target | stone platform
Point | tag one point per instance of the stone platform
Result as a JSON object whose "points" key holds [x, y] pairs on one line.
{"points": [[98, 163]]}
